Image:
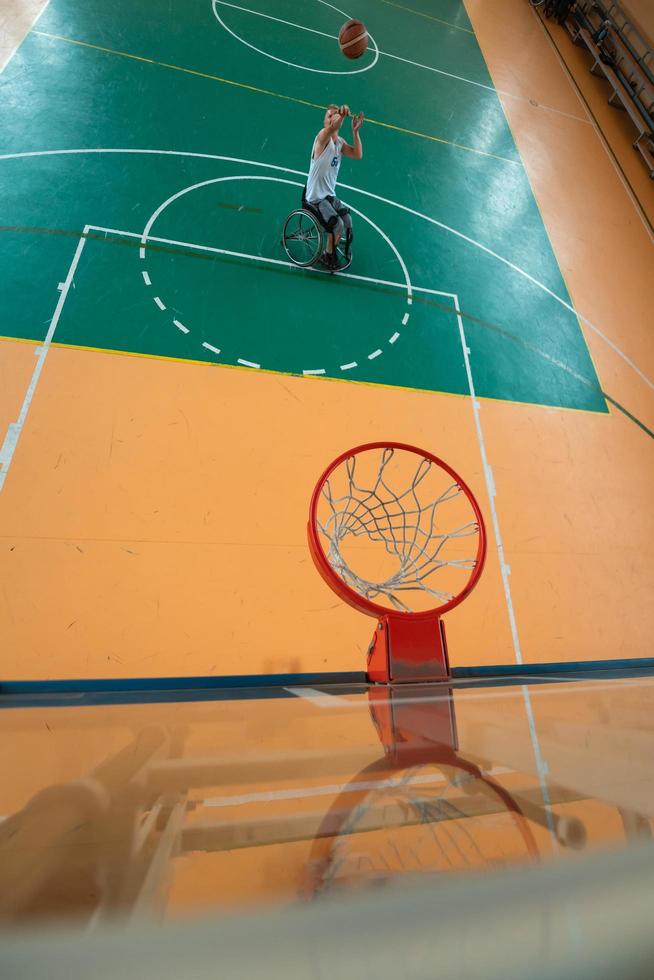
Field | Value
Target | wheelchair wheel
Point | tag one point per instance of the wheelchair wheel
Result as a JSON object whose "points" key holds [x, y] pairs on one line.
{"points": [[302, 238]]}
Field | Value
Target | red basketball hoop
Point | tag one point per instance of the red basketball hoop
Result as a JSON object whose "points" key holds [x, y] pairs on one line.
{"points": [[386, 507]]}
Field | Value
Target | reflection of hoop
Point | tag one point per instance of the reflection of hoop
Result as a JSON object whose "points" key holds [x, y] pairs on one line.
{"points": [[402, 800], [409, 644], [401, 817]]}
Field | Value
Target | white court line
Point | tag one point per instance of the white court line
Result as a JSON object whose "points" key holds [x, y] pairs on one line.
{"points": [[160, 304], [504, 571], [215, 350], [291, 64], [318, 698], [377, 197], [490, 485], [405, 319], [281, 180], [262, 258], [15, 429], [154, 217], [490, 88], [290, 265], [265, 258], [406, 61], [289, 23], [146, 278], [305, 792]]}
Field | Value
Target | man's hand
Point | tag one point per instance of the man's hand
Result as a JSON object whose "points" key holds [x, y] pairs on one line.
{"points": [[344, 111], [354, 152]]}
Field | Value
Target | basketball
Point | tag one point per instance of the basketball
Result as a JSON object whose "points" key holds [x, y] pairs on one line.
{"points": [[353, 39]]}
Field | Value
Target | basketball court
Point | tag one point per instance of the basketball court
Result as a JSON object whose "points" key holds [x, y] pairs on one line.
{"points": [[172, 387]]}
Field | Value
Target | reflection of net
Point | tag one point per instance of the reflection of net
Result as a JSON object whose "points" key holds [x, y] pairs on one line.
{"points": [[405, 526], [465, 823]]}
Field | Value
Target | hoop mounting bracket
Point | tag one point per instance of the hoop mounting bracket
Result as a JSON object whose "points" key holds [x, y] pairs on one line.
{"points": [[408, 649]]}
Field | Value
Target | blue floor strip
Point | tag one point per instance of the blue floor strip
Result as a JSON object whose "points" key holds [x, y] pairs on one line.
{"points": [[142, 690]]}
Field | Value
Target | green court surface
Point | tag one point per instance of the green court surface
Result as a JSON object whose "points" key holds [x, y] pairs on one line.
{"points": [[200, 120]]}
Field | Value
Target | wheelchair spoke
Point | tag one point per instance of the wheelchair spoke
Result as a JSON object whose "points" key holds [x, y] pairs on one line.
{"points": [[302, 239]]}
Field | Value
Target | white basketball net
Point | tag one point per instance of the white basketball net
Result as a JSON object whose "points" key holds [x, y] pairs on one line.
{"points": [[408, 528]]}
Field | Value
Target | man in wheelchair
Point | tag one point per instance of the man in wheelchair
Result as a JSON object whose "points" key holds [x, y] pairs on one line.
{"points": [[319, 194]]}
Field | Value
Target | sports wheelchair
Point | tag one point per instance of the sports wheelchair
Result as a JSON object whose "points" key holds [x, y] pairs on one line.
{"points": [[305, 238]]}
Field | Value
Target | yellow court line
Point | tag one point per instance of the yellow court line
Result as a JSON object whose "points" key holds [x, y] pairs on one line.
{"points": [[439, 139], [277, 95], [60, 345], [255, 371], [186, 71], [419, 13], [493, 399], [20, 340]]}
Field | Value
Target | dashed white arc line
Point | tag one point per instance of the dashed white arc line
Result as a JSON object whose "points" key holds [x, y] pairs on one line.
{"points": [[217, 180], [309, 371], [402, 207]]}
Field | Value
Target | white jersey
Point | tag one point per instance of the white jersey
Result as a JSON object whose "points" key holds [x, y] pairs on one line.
{"points": [[323, 171]]}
